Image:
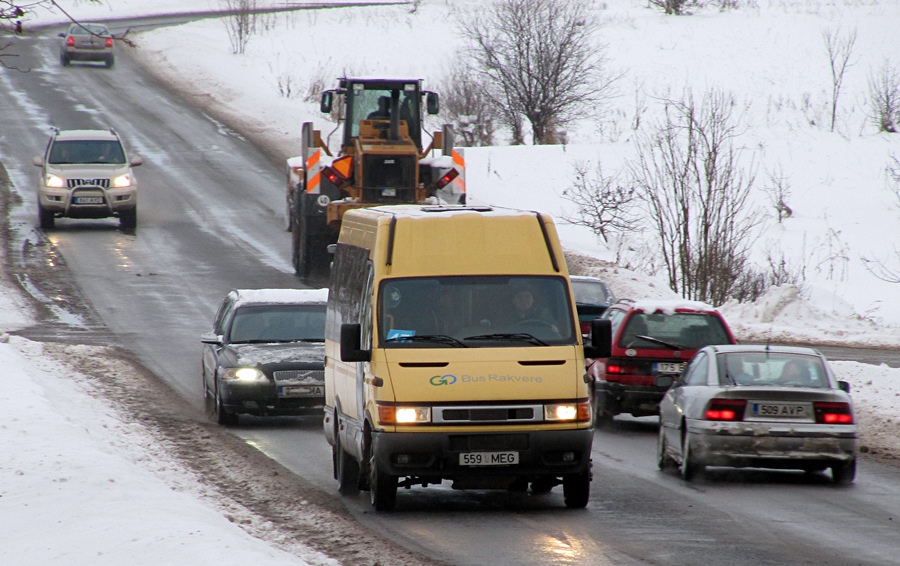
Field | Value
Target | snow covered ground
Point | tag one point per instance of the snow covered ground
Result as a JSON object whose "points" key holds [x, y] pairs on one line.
{"points": [[96, 486]]}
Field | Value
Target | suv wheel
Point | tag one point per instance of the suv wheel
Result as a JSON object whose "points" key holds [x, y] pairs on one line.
{"points": [[128, 219], [46, 218]]}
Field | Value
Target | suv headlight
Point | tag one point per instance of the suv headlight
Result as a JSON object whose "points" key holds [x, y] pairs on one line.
{"points": [[122, 181], [55, 182], [243, 374]]}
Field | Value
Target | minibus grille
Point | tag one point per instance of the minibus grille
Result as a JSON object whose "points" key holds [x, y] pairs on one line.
{"points": [[488, 414]]}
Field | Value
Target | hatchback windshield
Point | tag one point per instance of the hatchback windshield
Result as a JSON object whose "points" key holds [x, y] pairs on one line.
{"points": [[278, 323], [778, 370], [679, 331], [86, 152], [483, 311]]}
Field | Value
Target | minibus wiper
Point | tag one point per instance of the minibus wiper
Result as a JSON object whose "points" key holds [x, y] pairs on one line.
{"points": [[511, 336], [440, 338]]}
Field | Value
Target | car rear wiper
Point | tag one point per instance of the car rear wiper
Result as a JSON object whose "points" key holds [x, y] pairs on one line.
{"points": [[658, 341], [511, 336], [439, 338]]}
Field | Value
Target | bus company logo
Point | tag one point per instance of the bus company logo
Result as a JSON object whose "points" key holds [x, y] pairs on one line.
{"points": [[446, 379]]}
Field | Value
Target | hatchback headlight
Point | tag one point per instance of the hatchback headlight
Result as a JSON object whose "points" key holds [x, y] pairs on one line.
{"points": [[55, 182], [244, 374], [122, 181]]}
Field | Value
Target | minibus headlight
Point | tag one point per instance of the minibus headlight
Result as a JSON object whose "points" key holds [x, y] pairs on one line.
{"points": [[390, 414], [244, 374], [568, 411]]}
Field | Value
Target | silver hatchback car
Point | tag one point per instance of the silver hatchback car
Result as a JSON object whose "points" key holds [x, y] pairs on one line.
{"points": [[87, 42], [758, 406]]}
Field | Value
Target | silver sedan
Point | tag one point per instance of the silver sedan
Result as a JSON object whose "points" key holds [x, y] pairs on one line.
{"points": [[758, 406]]}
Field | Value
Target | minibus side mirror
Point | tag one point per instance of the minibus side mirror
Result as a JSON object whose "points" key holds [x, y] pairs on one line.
{"points": [[601, 339], [351, 338]]}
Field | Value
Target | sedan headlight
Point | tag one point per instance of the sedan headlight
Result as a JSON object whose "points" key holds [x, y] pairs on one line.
{"points": [[243, 374], [55, 182], [122, 181], [568, 411]]}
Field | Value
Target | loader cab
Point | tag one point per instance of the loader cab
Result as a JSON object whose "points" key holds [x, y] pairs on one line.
{"points": [[393, 106]]}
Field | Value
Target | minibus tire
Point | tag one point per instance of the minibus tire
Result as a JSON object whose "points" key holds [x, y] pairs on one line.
{"points": [[577, 490], [347, 470], [382, 488]]}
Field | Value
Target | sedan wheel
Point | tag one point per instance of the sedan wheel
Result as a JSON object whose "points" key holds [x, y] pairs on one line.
{"points": [[663, 460], [689, 466], [223, 417], [844, 473]]}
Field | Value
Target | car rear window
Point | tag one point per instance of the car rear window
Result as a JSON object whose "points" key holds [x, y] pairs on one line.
{"points": [[682, 331], [762, 369]]}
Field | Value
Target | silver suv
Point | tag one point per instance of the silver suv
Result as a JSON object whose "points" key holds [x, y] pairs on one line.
{"points": [[87, 174]]}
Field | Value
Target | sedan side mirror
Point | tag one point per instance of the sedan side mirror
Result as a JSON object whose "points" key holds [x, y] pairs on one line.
{"points": [[211, 338], [844, 386]]}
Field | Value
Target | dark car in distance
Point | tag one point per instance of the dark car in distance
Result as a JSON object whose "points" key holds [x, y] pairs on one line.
{"points": [[592, 297], [266, 354]]}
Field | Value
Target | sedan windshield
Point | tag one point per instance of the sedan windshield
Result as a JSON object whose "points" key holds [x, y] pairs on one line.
{"points": [[483, 311], [278, 323], [775, 370]]}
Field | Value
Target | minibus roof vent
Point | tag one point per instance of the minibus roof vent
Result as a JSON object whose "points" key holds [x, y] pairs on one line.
{"points": [[453, 208]]}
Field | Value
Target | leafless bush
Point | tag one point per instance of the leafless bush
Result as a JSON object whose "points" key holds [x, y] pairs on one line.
{"points": [[892, 173], [673, 7], [465, 105], [884, 98], [753, 283], [779, 191], [241, 24], [538, 60], [604, 204], [687, 174], [839, 50]]}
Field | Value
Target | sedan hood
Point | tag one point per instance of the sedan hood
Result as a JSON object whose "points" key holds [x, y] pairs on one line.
{"points": [[307, 353]]}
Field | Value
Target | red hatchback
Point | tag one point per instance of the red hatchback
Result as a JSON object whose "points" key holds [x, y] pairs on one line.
{"points": [[650, 338]]}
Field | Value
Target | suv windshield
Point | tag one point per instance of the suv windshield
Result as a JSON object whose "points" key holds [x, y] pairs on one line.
{"points": [[475, 311], [679, 331], [86, 152]]}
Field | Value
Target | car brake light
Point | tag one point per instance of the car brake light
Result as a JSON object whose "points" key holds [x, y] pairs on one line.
{"points": [[726, 409], [109, 42], [445, 179], [833, 413], [70, 41]]}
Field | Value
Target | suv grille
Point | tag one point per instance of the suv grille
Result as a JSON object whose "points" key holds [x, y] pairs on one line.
{"points": [[72, 183]]}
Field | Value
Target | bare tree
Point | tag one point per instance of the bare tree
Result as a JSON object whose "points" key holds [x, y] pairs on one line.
{"points": [[604, 203], [538, 59], [241, 24], [687, 174], [884, 98], [465, 105], [779, 191], [672, 7], [839, 50]]}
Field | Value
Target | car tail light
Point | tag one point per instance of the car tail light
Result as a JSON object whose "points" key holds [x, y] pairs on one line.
{"points": [[622, 367], [833, 413], [445, 179], [70, 41], [726, 409], [109, 42]]}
